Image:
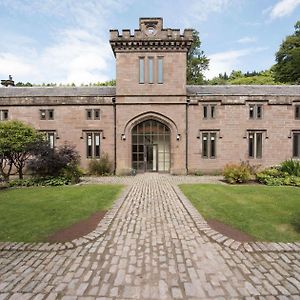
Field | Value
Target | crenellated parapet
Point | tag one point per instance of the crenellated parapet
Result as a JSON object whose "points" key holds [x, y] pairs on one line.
{"points": [[151, 36]]}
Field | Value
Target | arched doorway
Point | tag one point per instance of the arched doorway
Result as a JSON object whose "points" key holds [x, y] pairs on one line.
{"points": [[151, 147]]}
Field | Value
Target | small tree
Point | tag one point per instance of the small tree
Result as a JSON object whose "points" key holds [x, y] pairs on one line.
{"points": [[16, 143]]}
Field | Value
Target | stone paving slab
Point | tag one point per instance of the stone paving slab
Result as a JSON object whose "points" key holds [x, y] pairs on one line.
{"points": [[155, 246]]}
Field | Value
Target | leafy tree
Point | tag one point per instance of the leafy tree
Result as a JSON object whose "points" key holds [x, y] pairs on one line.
{"points": [[197, 62], [287, 68], [262, 78], [16, 144]]}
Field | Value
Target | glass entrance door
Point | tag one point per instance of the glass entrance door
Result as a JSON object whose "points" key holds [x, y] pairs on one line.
{"points": [[151, 147], [151, 158]]}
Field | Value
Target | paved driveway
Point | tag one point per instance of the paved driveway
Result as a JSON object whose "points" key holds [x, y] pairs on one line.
{"points": [[155, 247]]}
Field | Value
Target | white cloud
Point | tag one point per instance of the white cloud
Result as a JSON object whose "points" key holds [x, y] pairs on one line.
{"points": [[283, 8], [77, 49], [247, 40], [229, 60]]}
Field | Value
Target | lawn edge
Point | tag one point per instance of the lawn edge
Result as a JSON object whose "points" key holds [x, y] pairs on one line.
{"points": [[100, 230], [226, 241]]}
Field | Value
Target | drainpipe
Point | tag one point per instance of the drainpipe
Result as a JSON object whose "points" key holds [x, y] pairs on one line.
{"points": [[115, 134], [187, 134]]}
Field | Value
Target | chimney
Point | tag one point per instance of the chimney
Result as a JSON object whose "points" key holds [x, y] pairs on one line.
{"points": [[8, 82]]}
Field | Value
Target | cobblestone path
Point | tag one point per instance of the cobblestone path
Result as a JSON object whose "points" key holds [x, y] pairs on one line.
{"points": [[152, 250]]}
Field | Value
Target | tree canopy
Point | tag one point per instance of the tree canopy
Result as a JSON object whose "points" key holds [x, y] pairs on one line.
{"points": [[197, 62], [16, 143], [287, 68]]}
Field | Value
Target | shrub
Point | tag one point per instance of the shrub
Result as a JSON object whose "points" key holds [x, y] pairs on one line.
{"points": [[73, 172], [237, 173], [40, 181], [277, 176], [53, 162], [291, 166], [100, 167]]}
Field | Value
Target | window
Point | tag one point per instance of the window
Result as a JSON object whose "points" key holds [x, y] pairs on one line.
{"points": [[50, 136], [255, 111], [3, 115], [142, 69], [296, 144], [297, 112], [209, 144], [209, 111], [46, 114], [255, 144], [160, 76], [93, 144], [93, 114], [150, 69]]}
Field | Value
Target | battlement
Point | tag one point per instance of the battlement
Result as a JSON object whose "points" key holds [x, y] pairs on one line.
{"points": [[151, 36]]}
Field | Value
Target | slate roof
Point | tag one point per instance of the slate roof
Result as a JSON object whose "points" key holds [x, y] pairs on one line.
{"points": [[57, 91], [243, 90]]}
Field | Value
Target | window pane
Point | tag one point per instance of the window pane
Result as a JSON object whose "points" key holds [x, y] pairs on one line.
{"points": [[297, 111], [160, 70], [51, 139], [89, 141], [212, 145], [205, 145], [142, 70], [150, 69], [43, 114], [5, 114], [89, 114], [213, 110], [296, 144], [97, 144], [96, 114], [259, 111], [251, 111], [205, 111], [258, 145], [50, 114], [251, 145]]}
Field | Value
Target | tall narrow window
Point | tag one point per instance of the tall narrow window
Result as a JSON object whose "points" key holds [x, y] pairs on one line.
{"points": [[97, 145], [96, 114], [255, 144], [93, 144], [142, 69], [296, 144], [89, 114], [89, 149], [160, 75], [50, 138], [209, 144], [297, 112], [150, 69], [50, 114]]}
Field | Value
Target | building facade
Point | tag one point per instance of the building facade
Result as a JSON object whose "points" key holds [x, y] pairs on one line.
{"points": [[151, 121]]}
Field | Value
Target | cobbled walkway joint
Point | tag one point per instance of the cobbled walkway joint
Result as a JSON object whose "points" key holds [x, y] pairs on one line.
{"points": [[152, 245]]}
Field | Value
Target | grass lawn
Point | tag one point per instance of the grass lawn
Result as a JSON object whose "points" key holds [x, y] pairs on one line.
{"points": [[266, 213], [32, 214]]}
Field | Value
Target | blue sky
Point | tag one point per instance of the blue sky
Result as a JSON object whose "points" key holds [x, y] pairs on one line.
{"points": [[66, 41]]}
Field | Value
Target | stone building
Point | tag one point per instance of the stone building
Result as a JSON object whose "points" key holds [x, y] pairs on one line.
{"points": [[152, 121]]}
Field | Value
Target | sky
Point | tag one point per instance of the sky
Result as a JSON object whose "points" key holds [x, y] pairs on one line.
{"points": [[67, 41]]}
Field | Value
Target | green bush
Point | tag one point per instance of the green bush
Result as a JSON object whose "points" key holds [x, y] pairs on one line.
{"points": [[73, 172], [100, 167], [291, 166], [277, 176], [40, 181], [237, 173]]}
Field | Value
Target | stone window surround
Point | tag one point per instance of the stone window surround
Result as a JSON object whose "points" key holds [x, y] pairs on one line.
{"points": [[257, 152], [297, 111], [93, 133], [3, 114], [211, 133], [47, 114], [257, 109], [95, 113], [209, 111]]}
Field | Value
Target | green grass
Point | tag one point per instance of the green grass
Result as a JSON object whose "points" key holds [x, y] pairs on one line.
{"points": [[266, 213], [32, 214]]}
